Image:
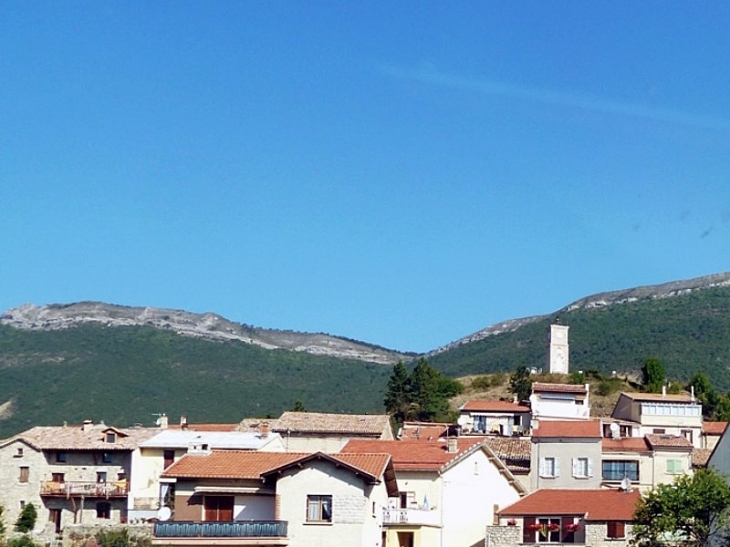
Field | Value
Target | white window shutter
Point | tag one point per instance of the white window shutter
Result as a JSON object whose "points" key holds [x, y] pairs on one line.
{"points": [[576, 469], [557, 467], [590, 467], [542, 467]]}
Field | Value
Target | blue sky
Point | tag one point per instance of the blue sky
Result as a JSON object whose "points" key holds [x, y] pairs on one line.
{"points": [[403, 173]]}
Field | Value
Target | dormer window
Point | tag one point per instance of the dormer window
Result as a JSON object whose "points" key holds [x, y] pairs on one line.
{"points": [[111, 437]]}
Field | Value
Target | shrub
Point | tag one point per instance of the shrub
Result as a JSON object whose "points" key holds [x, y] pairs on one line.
{"points": [[27, 518], [21, 541], [120, 538]]}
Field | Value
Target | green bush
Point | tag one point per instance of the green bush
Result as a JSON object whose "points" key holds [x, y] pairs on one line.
{"points": [[481, 383], [21, 541], [27, 518], [120, 537]]}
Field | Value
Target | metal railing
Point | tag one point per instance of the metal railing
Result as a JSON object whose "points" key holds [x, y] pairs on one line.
{"points": [[255, 528]]}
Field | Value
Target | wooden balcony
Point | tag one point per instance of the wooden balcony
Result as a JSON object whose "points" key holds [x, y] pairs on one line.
{"points": [[256, 532], [117, 489]]}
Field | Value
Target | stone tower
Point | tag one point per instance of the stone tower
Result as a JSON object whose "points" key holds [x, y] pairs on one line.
{"points": [[558, 351]]}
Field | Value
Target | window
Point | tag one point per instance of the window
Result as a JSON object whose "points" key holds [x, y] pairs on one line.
{"points": [[219, 508], [659, 431], [480, 424], [582, 468], [542, 530], [407, 499], [19, 452], [615, 529], [319, 508], [57, 477], [687, 434], [617, 470], [111, 437], [106, 457], [674, 467], [103, 510], [101, 477], [24, 473], [549, 467], [61, 457], [168, 457]]}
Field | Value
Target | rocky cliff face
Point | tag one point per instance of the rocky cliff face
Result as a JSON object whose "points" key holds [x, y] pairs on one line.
{"points": [[205, 325], [665, 290]]}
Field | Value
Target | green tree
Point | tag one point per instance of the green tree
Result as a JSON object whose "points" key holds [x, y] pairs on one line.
{"points": [[21, 541], [653, 375], [397, 399], [693, 511], [422, 395], [119, 537], [27, 518], [298, 406], [520, 383]]}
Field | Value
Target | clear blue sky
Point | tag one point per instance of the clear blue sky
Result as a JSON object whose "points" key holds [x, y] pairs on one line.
{"points": [[403, 173]]}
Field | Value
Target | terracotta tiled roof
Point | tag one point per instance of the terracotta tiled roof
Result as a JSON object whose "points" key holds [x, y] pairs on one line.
{"points": [[487, 405], [373, 465], [668, 441], [240, 464], [626, 444], [714, 428], [88, 437], [513, 451], [414, 455], [568, 429], [229, 464], [313, 422], [700, 457], [422, 431], [596, 505], [652, 397], [559, 388]]}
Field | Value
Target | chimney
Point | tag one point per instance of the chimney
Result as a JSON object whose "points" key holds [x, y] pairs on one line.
{"points": [[183, 422], [692, 392], [451, 445], [87, 425], [514, 399], [664, 390], [163, 422], [264, 430]]}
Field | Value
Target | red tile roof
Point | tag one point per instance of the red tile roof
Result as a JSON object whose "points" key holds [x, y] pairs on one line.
{"points": [[668, 441], [626, 444], [246, 464], [422, 431], [488, 405], [596, 505], [714, 428], [414, 455], [568, 428], [559, 388], [700, 457]]}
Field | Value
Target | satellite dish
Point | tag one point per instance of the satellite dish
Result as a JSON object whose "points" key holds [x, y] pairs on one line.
{"points": [[625, 485], [615, 431], [164, 513]]}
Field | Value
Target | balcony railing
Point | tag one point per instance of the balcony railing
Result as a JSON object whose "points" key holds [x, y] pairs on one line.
{"points": [[256, 528], [411, 516], [117, 489]]}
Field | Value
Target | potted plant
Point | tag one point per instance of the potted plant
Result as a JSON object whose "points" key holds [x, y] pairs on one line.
{"points": [[512, 522], [572, 527]]}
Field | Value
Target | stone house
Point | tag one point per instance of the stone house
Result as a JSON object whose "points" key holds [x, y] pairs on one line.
{"points": [[595, 517], [231, 497], [72, 474]]}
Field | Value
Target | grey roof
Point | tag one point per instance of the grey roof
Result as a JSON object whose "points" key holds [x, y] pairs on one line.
{"points": [[177, 438]]}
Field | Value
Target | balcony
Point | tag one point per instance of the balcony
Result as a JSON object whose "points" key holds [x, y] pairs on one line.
{"points": [[257, 532], [417, 517], [117, 489]]}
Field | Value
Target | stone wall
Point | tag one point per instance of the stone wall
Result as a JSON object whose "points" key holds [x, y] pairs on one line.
{"points": [[79, 535], [511, 536]]}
